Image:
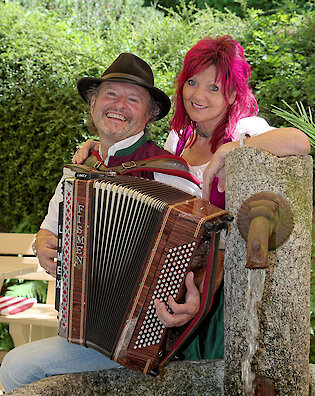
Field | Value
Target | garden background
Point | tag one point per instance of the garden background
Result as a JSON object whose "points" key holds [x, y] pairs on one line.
{"points": [[47, 45]]}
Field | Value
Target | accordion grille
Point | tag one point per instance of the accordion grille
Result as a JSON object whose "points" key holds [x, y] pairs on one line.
{"points": [[124, 223]]}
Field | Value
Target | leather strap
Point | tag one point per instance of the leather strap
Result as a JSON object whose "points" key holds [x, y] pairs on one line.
{"points": [[167, 164]]}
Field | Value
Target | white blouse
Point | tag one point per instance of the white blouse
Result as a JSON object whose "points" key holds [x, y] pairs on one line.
{"points": [[252, 126]]}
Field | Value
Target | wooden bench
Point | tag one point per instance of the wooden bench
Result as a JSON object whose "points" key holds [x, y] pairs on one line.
{"points": [[17, 260]]}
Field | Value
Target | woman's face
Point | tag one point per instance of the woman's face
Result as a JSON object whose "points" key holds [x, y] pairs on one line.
{"points": [[203, 99]]}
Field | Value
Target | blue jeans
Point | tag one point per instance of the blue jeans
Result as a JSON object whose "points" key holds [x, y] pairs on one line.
{"points": [[44, 358]]}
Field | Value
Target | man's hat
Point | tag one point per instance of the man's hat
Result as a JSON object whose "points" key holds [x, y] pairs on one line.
{"points": [[128, 68]]}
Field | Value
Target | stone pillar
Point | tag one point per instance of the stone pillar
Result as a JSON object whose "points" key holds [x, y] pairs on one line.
{"points": [[284, 310]]}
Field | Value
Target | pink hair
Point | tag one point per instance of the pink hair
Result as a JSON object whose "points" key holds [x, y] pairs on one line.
{"points": [[233, 72]]}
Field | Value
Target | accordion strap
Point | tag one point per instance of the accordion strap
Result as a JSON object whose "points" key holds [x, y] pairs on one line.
{"points": [[167, 164]]}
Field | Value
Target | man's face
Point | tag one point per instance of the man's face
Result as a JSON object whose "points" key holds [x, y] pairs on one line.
{"points": [[119, 110]]}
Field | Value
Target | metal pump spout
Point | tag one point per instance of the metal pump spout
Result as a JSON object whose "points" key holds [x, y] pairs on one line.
{"points": [[265, 220], [263, 217]]}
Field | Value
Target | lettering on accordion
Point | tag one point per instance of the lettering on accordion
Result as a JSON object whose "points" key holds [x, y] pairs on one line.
{"points": [[79, 246], [132, 241]]}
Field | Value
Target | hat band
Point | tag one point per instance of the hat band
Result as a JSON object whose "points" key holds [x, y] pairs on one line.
{"points": [[127, 77]]}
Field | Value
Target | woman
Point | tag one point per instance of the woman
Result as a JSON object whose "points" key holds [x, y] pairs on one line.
{"points": [[214, 107]]}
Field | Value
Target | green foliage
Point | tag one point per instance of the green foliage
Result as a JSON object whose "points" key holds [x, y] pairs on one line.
{"points": [[86, 15], [237, 6], [279, 48], [26, 288], [6, 342], [299, 118], [44, 54], [41, 113]]}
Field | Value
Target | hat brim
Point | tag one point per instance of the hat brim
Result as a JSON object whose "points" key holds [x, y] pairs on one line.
{"points": [[86, 83]]}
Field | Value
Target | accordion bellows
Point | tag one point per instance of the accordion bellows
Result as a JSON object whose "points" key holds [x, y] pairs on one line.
{"points": [[124, 242]]}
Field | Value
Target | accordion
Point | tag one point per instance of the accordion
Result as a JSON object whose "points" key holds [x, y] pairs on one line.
{"points": [[124, 242]]}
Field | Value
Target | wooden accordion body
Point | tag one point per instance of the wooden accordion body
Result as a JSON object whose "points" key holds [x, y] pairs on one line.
{"points": [[124, 242]]}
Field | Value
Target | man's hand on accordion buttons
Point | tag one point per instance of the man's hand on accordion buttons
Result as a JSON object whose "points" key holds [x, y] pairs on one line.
{"points": [[182, 313], [84, 151], [46, 248]]}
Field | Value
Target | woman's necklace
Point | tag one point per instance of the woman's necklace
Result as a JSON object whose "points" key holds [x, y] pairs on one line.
{"points": [[201, 134]]}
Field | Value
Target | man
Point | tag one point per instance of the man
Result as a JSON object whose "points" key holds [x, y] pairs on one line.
{"points": [[121, 102]]}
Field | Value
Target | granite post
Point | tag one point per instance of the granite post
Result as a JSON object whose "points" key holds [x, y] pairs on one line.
{"points": [[282, 355]]}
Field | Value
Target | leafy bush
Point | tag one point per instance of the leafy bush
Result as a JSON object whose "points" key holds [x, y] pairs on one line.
{"points": [[42, 116], [25, 288], [6, 342], [237, 6], [279, 50], [44, 54]]}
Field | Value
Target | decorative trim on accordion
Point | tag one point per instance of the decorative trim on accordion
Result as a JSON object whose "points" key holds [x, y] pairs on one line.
{"points": [[75, 210], [66, 254]]}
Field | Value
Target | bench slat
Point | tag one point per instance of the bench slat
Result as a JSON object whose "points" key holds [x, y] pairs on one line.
{"points": [[15, 243], [11, 266], [39, 314]]}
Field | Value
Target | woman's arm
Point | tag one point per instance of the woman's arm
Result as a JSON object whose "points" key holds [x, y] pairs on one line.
{"points": [[280, 142]]}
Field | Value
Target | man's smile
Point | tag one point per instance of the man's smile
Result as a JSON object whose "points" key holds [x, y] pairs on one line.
{"points": [[116, 116]]}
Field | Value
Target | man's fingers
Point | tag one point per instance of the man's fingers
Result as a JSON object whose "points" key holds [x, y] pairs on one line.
{"points": [[52, 243], [47, 258], [192, 298], [189, 308], [182, 313], [168, 319], [162, 313]]}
